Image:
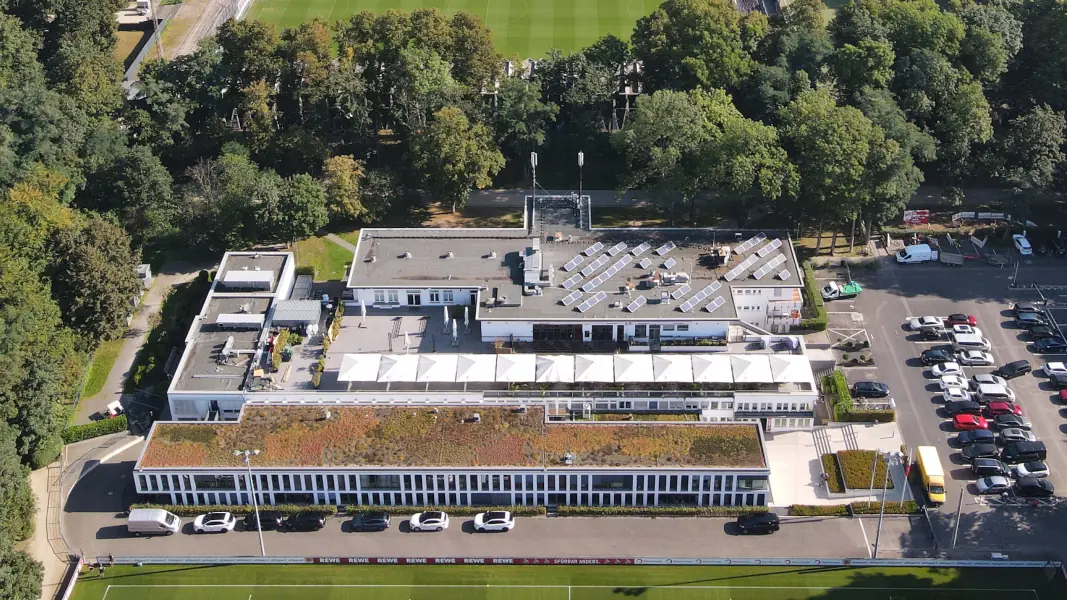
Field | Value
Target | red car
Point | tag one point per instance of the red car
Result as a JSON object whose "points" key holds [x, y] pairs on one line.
{"points": [[961, 319], [1002, 408], [969, 422], [1063, 396]]}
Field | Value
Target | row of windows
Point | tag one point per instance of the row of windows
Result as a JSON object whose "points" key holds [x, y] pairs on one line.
{"points": [[773, 406], [393, 296], [775, 292], [783, 422]]}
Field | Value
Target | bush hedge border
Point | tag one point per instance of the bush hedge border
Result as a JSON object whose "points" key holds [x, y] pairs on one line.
{"points": [[188, 510], [835, 483], [184, 510], [814, 300], [856, 469], [855, 508], [657, 511], [79, 433]]}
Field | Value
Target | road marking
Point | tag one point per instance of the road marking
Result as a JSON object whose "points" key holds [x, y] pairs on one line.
{"points": [[866, 542]]}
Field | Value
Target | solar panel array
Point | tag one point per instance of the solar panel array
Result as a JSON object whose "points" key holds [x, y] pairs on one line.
{"points": [[596, 264], [747, 245], [689, 304], [645, 263], [784, 274], [736, 272], [573, 281], [638, 251], [617, 248], [596, 282], [593, 284], [678, 293], [715, 304], [622, 262], [592, 301], [636, 304], [771, 265], [665, 248], [669, 263], [577, 260], [571, 298], [591, 250], [771, 247]]}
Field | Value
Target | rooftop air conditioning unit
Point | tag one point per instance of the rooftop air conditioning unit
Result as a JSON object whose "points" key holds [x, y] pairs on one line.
{"points": [[476, 418], [407, 254]]}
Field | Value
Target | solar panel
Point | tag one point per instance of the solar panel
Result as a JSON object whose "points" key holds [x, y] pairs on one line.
{"points": [[715, 304], [571, 298], [771, 247], [577, 260], [747, 245], [688, 305], [638, 251], [733, 273], [749, 262], [784, 274], [622, 262], [714, 287], [678, 293], [665, 248], [592, 301], [645, 263], [759, 273], [573, 281], [636, 304], [593, 284], [617, 248], [596, 264], [669, 263], [591, 250]]}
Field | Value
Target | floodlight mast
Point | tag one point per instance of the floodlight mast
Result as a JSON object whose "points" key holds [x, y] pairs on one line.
{"points": [[247, 457]]}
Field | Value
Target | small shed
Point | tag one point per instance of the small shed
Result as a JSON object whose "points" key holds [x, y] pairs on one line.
{"points": [[144, 273], [297, 313]]}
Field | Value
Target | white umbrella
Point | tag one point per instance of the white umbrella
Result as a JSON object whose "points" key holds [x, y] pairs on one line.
{"points": [[668, 368], [445, 309], [363, 312], [515, 367], [466, 320], [407, 342], [636, 368], [476, 367], [398, 367]]}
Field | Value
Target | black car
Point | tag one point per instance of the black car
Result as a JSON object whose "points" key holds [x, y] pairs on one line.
{"points": [[761, 522], [268, 519], [1043, 331], [1041, 246], [936, 356], [1013, 369], [977, 436], [963, 407], [1017, 421], [1054, 345], [989, 467], [971, 453], [1022, 307], [1058, 380], [308, 520], [1029, 320], [931, 333], [1032, 487], [1057, 247], [869, 389], [371, 521]]}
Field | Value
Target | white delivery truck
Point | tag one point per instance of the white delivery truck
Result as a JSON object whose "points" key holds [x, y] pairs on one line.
{"points": [[152, 521], [916, 253]]}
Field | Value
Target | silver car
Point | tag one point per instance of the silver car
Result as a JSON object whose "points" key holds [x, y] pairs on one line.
{"points": [[993, 485]]}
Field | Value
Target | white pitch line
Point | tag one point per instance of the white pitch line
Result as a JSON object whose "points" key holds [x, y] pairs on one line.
{"points": [[106, 590], [519, 586]]}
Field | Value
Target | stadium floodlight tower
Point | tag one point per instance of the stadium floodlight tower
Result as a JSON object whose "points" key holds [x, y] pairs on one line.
{"points": [[581, 164], [247, 455], [533, 163]]}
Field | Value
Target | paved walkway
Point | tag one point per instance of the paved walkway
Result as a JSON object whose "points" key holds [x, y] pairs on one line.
{"points": [[38, 546], [340, 242], [172, 274]]}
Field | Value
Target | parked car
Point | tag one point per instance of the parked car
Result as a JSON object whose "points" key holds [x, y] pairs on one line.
{"points": [[955, 394], [216, 522], [919, 322], [1032, 487], [953, 381], [432, 520], [987, 378], [268, 519], [1013, 369], [970, 453], [966, 330], [1054, 345], [1021, 307], [988, 467], [934, 356], [967, 422], [1058, 380], [1043, 331], [1053, 367], [1036, 468], [308, 520], [996, 484], [375, 520], [1002, 408], [870, 389], [1040, 247], [946, 368], [1029, 320], [976, 436], [931, 333], [1063, 396], [977, 358], [961, 319], [761, 522], [1057, 247], [1014, 434], [494, 520], [1022, 244], [1012, 420], [968, 407]]}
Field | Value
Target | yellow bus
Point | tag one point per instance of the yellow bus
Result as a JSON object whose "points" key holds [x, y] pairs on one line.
{"points": [[932, 473]]}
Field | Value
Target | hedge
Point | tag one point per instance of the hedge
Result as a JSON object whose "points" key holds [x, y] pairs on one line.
{"points": [[866, 415], [813, 300], [819, 510], [834, 482], [838, 387], [184, 510], [856, 468], [657, 511], [892, 507], [856, 508], [457, 511], [78, 433]]}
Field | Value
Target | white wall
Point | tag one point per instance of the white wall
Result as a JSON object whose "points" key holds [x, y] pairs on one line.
{"points": [[503, 330], [460, 296]]}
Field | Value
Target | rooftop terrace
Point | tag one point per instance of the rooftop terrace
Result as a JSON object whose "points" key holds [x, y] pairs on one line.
{"points": [[446, 437], [207, 366]]}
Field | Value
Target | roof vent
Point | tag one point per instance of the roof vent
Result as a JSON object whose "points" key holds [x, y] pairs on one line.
{"points": [[476, 418], [568, 458], [492, 254], [257, 255], [407, 254], [450, 254], [257, 267], [326, 414]]}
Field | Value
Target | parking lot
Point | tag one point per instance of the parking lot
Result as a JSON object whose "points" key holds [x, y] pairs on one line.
{"points": [[894, 293]]}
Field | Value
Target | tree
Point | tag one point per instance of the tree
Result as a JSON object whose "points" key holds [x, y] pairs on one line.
{"points": [[454, 156], [297, 211], [136, 188], [1030, 154], [20, 575], [424, 86], [306, 53], [474, 61], [341, 178], [248, 53], [521, 118], [16, 500], [906, 24], [868, 64], [38, 126], [806, 14], [1042, 58], [686, 44], [994, 36], [18, 55], [96, 279], [35, 211], [381, 190], [582, 88]]}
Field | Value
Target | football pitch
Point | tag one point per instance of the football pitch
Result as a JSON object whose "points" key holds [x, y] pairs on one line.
{"points": [[429, 582], [521, 28]]}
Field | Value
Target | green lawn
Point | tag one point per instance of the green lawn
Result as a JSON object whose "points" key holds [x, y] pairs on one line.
{"points": [[103, 360], [427, 582], [521, 28], [326, 258]]}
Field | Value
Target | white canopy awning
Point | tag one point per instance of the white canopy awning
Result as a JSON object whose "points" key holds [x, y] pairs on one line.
{"points": [[791, 368], [712, 368], [672, 368], [555, 368], [515, 368], [398, 367], [751, 368], [436, 367], [594, 368], [476, 368], [635, 368], [359, 367]]}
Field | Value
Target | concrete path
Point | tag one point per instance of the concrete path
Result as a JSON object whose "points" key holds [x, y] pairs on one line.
{"points": [[340, 242], [172, 274], [38, 546]]}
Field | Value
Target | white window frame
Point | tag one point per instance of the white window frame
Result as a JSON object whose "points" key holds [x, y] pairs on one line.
{"points": [[435, 297], [448, 296], [394, 296], [379, 296]]}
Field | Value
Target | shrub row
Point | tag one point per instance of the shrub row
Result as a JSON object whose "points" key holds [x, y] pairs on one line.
{"points": [[656, 511], [842, 397], [183, 510], [865, 415], [78, 433], [856, 468], [833, 474], [891, 508], [455, 511], [814, 300], [819, 510], [856, 508]]}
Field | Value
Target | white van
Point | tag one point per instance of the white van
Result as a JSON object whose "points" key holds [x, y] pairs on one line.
{"points": [[969, 341], [994, 392], [916, 253], [152, 521]]}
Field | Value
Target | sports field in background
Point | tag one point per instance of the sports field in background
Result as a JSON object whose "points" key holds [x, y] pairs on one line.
{"points": [[521, 28], [430, 582]]}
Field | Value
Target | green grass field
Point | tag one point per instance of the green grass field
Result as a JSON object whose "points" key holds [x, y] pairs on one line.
{"points": [[427, 582], [521, 28]]}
